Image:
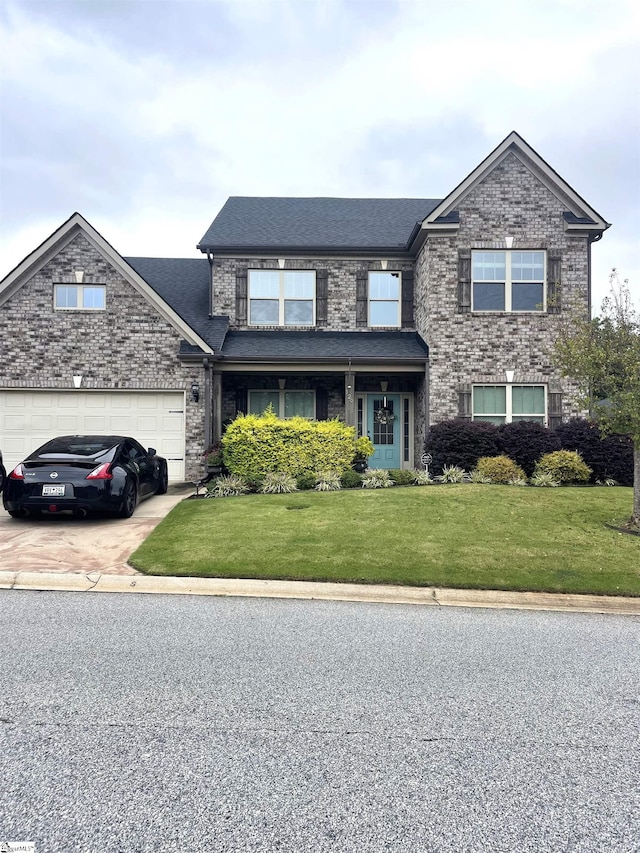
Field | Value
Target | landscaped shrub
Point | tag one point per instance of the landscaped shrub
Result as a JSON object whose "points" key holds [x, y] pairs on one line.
{"points": [[257, 444], [566, 466], [525, 442], [609, 458], [328, 481], [543, 479], [499, 469], [305, 482], [351, 480], [461, 443], [401, 477], [453, 474], [278, 483], [376, 478], [226, 487], [421, 477]]}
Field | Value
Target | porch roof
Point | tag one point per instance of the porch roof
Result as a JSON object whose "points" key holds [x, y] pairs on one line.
{"points": [[318, 345]]}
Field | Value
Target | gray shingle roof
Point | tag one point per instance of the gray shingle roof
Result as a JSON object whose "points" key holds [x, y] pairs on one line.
{"points": [[183, 283], [316, 345], [316, 223]]}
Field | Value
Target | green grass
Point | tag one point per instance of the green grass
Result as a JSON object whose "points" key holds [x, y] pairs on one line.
{"points": [[478, 537]]}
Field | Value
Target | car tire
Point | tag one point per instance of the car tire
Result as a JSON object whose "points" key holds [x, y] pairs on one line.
{"points": [[16, 513], [163, 485], [129, 500]]}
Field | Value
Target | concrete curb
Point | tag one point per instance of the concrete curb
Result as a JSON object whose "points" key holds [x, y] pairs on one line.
{"points": [[379, 594]]}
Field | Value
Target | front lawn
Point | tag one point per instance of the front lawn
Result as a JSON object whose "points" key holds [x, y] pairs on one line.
{"points": [[479, 537]]}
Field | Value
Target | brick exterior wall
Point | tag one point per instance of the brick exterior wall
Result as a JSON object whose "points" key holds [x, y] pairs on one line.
{"points": [[467, 348], [128, 346]]}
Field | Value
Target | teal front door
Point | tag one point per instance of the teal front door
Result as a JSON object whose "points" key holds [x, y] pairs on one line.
{"points": [[384, 431]]}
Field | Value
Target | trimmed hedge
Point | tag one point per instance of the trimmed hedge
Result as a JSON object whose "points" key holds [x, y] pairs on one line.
{"points": [[525, 442], [499, 469], [461, 443], [610, 457], [255, 445], [566, 466]]}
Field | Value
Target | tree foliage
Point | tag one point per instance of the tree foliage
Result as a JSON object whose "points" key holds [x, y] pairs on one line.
{"points": [[603, 357]]}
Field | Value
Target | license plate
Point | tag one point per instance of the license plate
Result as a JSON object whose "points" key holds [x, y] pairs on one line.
{"points": [[53, 491]]}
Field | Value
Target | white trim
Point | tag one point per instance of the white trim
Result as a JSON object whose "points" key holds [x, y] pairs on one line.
{"points": [[398, 301]]}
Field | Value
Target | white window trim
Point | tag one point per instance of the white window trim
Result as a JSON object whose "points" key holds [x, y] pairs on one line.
{"points": [[281, 299], [281, 394], [509, 405], [79, 288], [508, 283], [398, 302]]}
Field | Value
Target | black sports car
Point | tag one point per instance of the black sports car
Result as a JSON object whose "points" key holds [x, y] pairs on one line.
{"points": [[85, 473]]}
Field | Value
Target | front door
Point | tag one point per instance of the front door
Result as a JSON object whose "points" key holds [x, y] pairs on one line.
{"points": [[384, 430]]}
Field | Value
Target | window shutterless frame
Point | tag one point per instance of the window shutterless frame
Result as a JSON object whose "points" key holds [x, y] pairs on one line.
{"points": [[507, 403], [79, 297], [385, 295], [282, 297], [509, 281]]}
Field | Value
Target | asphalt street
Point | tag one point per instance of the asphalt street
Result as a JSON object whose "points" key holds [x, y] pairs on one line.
{"points": [[180, 723]]}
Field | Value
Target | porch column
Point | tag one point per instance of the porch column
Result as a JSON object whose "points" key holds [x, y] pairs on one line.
{"points": [[427, 412], [216, 405], [350, 398]]}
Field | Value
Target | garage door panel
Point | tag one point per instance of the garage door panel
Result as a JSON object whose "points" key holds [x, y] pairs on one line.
{"points": [[30, 418]]}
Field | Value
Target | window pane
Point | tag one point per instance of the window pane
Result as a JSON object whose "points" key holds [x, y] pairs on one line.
{"points": [[298, 403], [260, 400], [264, 284], [489, 266], [264, 312], [93, 297], [491, 419], [66, 297], [299, 285], [528, 399], [384, 285], [488, 297], [489, 399], [527, 266], [298, 313], [527, 297], [383, 313], [536, 418]]}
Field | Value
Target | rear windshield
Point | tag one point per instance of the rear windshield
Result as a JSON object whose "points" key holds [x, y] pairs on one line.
{"points": [[71, 447]]}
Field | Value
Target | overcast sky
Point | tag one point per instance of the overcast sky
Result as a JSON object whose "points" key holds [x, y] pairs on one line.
{"points": [[145, 115]]}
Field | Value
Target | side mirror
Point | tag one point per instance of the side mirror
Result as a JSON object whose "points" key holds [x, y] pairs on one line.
{"points": [[151, 451]]}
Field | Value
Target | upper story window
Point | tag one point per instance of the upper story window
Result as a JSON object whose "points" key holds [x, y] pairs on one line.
{"points": [[502, 404], [508, 281], [384, 298], [79, 297], [282, 297]]}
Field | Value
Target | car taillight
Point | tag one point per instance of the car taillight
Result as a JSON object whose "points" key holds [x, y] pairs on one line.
{"points": [[17, 473], [102, 472]]}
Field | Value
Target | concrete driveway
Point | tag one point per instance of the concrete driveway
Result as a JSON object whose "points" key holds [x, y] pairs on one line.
{"points": [[82, 545]]}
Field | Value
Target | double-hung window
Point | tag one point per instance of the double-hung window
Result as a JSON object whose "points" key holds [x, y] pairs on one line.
{"points": [[285, 404], [508, 281], [384, 298], [502, 404], [282, 297], [79, 297]]}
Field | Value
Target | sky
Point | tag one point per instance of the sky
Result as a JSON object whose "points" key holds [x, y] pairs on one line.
{"points": [[145, 115]]}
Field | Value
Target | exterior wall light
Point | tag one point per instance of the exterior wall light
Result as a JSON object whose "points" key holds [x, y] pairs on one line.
{"points": [[195, 391]]}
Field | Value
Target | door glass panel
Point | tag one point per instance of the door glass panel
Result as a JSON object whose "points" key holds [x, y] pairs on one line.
{"points": [[382, 433]]}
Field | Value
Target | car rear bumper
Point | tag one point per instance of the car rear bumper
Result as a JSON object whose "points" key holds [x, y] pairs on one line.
{"points": [[79, 504]]}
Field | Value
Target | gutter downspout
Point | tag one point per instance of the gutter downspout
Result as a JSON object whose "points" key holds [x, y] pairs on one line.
{"points": [[207, 403], [210, 259], [427, 403]]}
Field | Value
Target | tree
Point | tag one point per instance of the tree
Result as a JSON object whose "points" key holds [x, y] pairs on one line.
{"points": [[603, 357]]}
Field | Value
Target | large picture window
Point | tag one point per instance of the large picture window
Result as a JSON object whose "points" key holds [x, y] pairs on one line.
{"points": [[282, 297], [500, 404], [285, 404], [384, 298], [79, 297], [508, 281]]}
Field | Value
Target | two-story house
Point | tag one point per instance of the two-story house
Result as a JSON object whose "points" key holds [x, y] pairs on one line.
{"points": [[391, 314]]}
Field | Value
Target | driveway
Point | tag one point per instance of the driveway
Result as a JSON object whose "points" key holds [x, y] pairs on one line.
{"points": [[82, 545]]}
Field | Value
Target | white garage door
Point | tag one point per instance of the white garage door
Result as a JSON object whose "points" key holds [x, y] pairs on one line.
{"points": [[155, 419]]}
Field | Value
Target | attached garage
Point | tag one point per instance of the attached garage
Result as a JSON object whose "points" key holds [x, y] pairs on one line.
{"points": [[154, 418]]}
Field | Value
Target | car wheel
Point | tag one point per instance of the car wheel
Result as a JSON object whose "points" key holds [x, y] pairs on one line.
{"points": [[129, 500], [163, 483], [16, 513]]}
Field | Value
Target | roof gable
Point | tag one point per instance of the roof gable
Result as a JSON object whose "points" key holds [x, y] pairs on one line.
{"points": [[68, 231], [579, 215]]}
